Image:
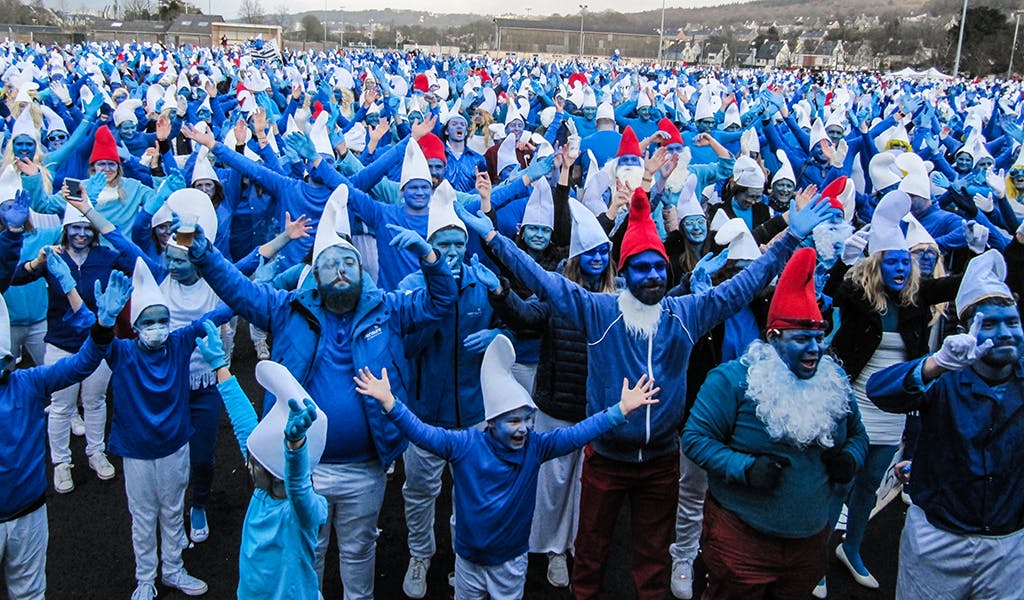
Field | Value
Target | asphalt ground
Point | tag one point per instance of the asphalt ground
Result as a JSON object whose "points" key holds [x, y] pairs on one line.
{"points": [[90, 555]]}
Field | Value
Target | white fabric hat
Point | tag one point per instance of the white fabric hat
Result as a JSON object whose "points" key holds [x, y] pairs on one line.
{"points": [[203, 168], [886, 233], [605, 111], [500, 390], [163, 215], [441, 213], [355, 138], [916, 233], [318, 133], [642, 100], [837, 118], [335, 214], [705, 108], [266, 443], [196, 202], [23, 92], [984, 278], [732, 116], [786, 170], [916, 181], [540, 209], [10, 183], [72, 216], [25, 125], [589, 99], [587, 232], [689, 204], [720, 218], [125, 111], [414, 165], [5, 330], [749, 142], [747, 173], [735, 234], [512, 114], [597, 182], [53, 120], [507, 154], [145, 291], [817, 133], [490, 100], [883, 171], [547, 116]]}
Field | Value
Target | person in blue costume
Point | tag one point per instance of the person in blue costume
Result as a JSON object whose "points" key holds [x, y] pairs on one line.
{"points": [[637, 330], [779, 434], [23, 523], [277, 557], [461, 162], [495, 469], [320, 334]]}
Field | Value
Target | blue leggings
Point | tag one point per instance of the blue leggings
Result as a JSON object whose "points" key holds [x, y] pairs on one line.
{"points": [[862, 494], [206, 405]]}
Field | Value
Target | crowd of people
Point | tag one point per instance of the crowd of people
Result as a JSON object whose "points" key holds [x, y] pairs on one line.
{"points": [[731, 300]]}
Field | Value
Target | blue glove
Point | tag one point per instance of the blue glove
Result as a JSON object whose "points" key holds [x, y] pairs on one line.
{"points": [[540, 167], [302, 144], [477, 223], [109, 304], [267, 270], [94, 186], [212, 346], [199, 242], [477, 342], [15, 213], [300, 419], [408, 239], [60, 270], [485, 275], [803, 221]]}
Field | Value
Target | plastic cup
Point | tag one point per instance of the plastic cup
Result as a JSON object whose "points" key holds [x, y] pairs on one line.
{"points": [[186, 229]]}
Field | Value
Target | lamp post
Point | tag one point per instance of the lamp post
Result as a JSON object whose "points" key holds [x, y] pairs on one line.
{"points": [[661, 32], [583, 9], [1013, 48], [497, 35], [325, 25], [960, 41]]}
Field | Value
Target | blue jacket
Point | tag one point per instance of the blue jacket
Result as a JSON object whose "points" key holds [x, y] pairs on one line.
{"points": [[614, 354], [967, 469], [496, 487], [461, 171], [295, 319]]}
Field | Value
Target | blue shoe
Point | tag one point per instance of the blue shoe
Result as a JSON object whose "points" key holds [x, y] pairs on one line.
{"points": [[199, 529]]}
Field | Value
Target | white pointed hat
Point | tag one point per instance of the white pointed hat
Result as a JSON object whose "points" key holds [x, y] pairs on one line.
{"points": [[747, 173], [736, 235], [689, 204], [984, 278], [883, 171], [72, 216], [749, 142], [10, 183], [720, 218], [335, 217], [163, 215], [704, 109], [917, 234], [915, 179], [125, 111], [414, 165], [507, 154], [500, 390], [605, 111], [817, 133], [837, 118], [5, 330], [196, 202], [318, 133], [587, 232], [145, 291], [266, 443], [25, 125], [786, 170], [886, 233], [441, 213], [732, 115], [53, 120], [540, 209], [203, 168], [512, 114]]}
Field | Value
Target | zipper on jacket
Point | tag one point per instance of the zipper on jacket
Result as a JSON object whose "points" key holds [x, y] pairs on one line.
{"points": [[650, 373]]}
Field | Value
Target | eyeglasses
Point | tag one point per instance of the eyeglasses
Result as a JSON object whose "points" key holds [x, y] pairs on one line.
{"points": [[57, 137]]}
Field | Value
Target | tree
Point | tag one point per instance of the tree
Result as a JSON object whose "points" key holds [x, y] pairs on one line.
{"points": [[138, 10], [169, 10], [313, 28], [251, 11], [988, 36]]}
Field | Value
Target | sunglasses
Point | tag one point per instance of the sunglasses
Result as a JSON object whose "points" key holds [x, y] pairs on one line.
{"points": [[57, 137]]}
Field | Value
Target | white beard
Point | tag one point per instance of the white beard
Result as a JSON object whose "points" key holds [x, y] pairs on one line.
{"points": [[631, 176], [677, 180], [800, 411], [641, 319], [829, 239]]}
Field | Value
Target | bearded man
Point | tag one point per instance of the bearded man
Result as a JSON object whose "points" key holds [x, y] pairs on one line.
{"points": [[779, 434]]}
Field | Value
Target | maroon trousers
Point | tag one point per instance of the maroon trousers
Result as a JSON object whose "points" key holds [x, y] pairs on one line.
{"points": [[653, 491], [745, 564]]}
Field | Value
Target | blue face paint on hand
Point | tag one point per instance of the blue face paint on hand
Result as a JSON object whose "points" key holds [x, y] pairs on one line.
{"points": [[895, 267], [593, 262], [800, 350]]}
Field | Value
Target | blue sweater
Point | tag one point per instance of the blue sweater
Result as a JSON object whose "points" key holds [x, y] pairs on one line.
{"points": [[496, 487]]}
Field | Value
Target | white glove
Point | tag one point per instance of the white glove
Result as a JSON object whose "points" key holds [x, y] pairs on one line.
{"points": [[984, 202], [853, 248], [997, 181], [61, 91], [962, 350], [977, 236]]}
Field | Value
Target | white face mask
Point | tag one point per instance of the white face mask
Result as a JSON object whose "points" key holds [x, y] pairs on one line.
{"points": [[154, 336]]}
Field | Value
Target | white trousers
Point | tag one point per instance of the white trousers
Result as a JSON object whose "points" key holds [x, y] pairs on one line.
{"points": [[500, 582], [938, 565], [29, 338], [64, 403], [693, 486], [156, 496], [556, 516], [23, 555]]}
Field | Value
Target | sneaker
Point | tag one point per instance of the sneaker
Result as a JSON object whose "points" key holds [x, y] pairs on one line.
{"points": [[415, 583], [62, 481], [682, 580], [262, 351], [558, 571], [77, 424], [199, 529], [104, 470], [187, 584], [821, 589], [144, 591]]}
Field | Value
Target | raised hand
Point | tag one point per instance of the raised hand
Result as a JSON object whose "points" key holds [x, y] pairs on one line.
{"points": [[478, 223], [163, 128], [56, 266], [299, 228], [485, 275], [408, 239], [802, 221], [15, 212], [212, 346], [378, 389], [642, 394], [962, 350], [423, 127], [300, 419], [976, 235], [705, 269], [302, 144], [203, 138], [109, 304]]}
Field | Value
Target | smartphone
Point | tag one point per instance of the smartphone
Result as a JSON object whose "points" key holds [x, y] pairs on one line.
{"points": [[74, 187]]}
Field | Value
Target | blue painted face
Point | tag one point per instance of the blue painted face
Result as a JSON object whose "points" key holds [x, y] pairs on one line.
{"points": [[127, 129], [515, 128], [985, 163], [207, 186], [818, 153], [179, 267], [643, 113], [450, 244], [835, 135], [705, 125], [895, 266], [372, 120], [926, 258], [510, 429], [1001, 324], [337, 269], [204, 114], [537, 237], [590, 113], [416, 194], [437, 169], [593, 262], [744, 198], [153, 326], [695, 228], [457, 127], [800, 350], [964, 163], [80, 236], [647, 276], [674, 148], [629, 160], [23, 147], [56, 139]]}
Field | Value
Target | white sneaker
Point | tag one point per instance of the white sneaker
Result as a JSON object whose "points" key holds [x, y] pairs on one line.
{"points": [[98, 462], [77, 424], [821, 589], [187, 584], [62, 481], [682, 580], [415, 583], [262, 351], [144, 591], [558, 570]]}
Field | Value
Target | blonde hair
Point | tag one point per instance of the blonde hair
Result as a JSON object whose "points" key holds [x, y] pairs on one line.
{"points": [[867, 275], [483, 119], [37, 159]]}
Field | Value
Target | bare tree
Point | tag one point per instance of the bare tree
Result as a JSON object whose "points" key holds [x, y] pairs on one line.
{"points": [[280, 17], [251, 11], [138, 10]]}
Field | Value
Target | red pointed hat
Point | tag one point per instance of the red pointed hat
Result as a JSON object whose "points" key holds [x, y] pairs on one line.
{"points": [[833, 190], [666, 125], [421, 83], [104, 148], [641, 234], [795, 303], [433, 147], [629, 145], [577, 77], [318, 108]]}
